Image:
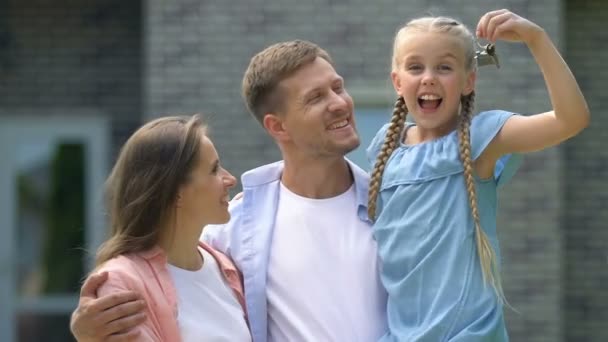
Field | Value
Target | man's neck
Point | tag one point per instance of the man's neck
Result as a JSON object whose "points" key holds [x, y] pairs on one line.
{"points": [[317, 179]]}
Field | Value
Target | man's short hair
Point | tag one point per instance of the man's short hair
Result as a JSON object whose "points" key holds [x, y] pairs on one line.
{"points": [[269, 67]]}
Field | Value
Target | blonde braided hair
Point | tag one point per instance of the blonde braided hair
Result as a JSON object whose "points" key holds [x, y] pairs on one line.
{"points": [[393, 135], [487, 257]]}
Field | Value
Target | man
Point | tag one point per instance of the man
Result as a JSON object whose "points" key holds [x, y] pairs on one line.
{"points": [[300, 233]]}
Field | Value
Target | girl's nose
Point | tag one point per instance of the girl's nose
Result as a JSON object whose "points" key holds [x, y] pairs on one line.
{"points": [[428, 79]]}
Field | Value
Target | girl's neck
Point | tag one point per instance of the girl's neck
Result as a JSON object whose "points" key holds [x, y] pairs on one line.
{"points": [[416, 134]]}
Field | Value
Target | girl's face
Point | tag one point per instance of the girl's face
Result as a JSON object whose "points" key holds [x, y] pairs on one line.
{"points": [[431, 76]]}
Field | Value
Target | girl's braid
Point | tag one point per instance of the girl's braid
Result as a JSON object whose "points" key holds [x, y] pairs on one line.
{"points": [[487, 257], [393, 134]]}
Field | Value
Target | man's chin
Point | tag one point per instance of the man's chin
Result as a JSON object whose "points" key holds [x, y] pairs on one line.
{"points": [[345, 149]]}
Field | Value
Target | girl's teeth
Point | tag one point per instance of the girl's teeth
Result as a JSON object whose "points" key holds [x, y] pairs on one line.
{"points": [[430, 97]]}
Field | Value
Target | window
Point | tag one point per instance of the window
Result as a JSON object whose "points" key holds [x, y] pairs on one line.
{"points": [[51, 183]]}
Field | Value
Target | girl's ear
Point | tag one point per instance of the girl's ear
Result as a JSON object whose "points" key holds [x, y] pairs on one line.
{"points": [[396, 82], [469, 85]]}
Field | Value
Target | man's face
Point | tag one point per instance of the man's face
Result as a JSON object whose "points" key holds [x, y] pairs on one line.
{"points": [[317, 113]]}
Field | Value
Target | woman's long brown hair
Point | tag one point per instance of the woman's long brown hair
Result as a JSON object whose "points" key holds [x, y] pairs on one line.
{"points": [[143, 185]]}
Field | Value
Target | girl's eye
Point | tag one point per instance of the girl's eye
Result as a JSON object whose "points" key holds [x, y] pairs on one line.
{"points": [[414, 67], [445, 67]]}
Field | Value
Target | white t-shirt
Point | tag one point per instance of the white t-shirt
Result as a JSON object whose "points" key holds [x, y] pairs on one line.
{"points": [[207, 308], [323, 280]]}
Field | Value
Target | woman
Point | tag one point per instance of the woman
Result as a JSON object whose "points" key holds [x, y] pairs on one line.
{"points": [[166, 186]]}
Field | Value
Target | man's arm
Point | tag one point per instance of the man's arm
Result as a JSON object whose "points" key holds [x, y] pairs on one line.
{"points": [[108, 318]]}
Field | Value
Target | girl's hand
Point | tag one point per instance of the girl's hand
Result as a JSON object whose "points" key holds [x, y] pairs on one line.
{"points": [[508, 26], [570, 114]]}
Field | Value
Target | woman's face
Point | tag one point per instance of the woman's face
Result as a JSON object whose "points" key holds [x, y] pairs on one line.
{"points": [[204, 198]]}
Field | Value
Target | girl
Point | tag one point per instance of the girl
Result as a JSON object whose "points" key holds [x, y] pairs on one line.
{"points": [[433, 187], [165, 187]]}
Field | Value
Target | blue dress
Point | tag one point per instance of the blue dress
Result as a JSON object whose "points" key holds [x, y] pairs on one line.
{"points": [[426, 241]]}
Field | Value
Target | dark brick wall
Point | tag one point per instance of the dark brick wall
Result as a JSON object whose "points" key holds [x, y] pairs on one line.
{"points": [[72, 57], [585, 177]]}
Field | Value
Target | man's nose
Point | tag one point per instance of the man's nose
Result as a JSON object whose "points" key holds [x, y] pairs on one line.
{"points": [[339, 101]]}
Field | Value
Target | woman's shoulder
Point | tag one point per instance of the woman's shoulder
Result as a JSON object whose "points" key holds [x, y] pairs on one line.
{"points": [[129, 272], [123, 262], [124, 271]]}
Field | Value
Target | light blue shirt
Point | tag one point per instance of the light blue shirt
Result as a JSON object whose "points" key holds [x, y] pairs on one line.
{"points": [[247, 237], [426, 241]]}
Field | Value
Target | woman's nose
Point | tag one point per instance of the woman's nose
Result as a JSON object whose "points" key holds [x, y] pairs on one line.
{"points": [[229, 180]]}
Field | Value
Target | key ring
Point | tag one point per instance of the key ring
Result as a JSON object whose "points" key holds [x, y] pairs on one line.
{"points": [[487, 56]]}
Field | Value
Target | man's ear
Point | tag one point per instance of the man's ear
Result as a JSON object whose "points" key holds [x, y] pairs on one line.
{"points": [[275, 125], [469, 85]]}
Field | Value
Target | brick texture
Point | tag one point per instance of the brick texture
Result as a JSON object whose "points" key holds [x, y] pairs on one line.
{"points": [[586, 195], [72, 57]]}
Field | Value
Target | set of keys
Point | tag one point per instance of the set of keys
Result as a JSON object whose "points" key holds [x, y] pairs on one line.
{"points": [[487, 56]]}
